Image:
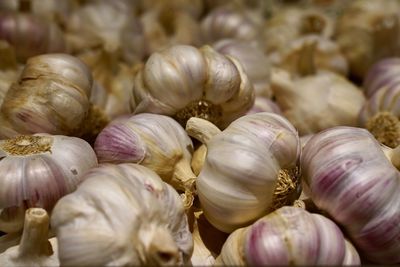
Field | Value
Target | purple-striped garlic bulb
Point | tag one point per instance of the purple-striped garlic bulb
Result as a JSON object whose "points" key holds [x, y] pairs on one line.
{"points": [[348, 176], [288, 236], [37, 170], [380, 115], [384, 73], [152, 140], [253, 59], [316, 102], [264, 104], [30, 35], [51, 96], [250, 168], [184, 81], [122, 215]]}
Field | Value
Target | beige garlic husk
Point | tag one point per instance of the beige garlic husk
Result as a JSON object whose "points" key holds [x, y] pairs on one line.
{"points": [[347, 174], [30, 35], [122, 215], [255, 63], [184, 81], [289, 236], [35, 249], [152, 140], [108, 25], [52, 96], [288, 24], [202, 255], [324, 52], [37, 171], [368, 31], [316, 102], [250, 168]]}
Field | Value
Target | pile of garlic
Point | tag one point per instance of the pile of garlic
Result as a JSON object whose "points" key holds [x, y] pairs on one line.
{"points": [[199, 132]]}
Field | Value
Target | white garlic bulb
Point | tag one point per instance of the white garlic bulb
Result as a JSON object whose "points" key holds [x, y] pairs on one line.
{"points": [[316, 102], [35, 249], [122, 215], [250, 168], [184, 81], [289, 236], [37, 170], [264, 104], [347, 175], [152, 140], [255, 63]]}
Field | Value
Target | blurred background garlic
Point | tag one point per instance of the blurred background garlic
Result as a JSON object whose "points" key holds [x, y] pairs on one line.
{"points": [[255, 63], [10, 69], [289, 236], [152, 140], [35, 249], [265, 149], [264, 104], [37, 170], [368, 31], [316, 102], [51, 96], [184, 81], [139, 220], [347, 175]]}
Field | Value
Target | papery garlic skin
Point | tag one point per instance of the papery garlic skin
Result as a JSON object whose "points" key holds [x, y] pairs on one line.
{"points": [[348, 176], [245, 165], [255, 63], [51, 95], [289, 236], [37, 171], [316, 102], [139, 220], [184, 81]]}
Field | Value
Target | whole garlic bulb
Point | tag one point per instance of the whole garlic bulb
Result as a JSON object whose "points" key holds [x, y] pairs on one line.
{"points": [[368, 31], [347, 175], [255, 63], [152, 140], [250, 168], [184, 81], [35, 249], [37, 170], [139, 220], [289, 236], [30, 35], [316, 102]]}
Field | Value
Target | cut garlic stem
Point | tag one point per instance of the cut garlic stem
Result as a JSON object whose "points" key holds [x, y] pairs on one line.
{"points": [[184, 179], [393, 154], [201, 129], [306, 64], [34, 241]]}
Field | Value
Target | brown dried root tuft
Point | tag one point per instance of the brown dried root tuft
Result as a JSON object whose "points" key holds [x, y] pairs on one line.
{"points": [[386, 128]]}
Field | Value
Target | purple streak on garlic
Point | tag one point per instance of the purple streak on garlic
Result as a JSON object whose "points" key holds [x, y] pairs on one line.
{"points": [[289, 236], [383, 73], [349, 176], [37, 171]]}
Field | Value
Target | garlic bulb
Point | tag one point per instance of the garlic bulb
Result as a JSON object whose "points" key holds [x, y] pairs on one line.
{"points": [[250, 168], [34, 249], [383, 73], [347, 175], [368, 31], [184, 81], [324, 53], [263, 104], [9, 68], [316, 102], [255, 63], [37, 171], [122, 215], [289, 236], [30, 35], [51, 96], [152, 140]]}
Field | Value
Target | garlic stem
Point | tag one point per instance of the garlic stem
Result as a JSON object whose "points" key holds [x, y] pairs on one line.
{"points": [[184, 179], [201, 129], [7, 55], [393, 154], [34, 241], [306, 63], [9, 240]]}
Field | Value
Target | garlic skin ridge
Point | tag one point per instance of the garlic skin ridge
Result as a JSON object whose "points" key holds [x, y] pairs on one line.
{"points": [[265, 149], [37, 171], [289, 236], [139, 220], [347, 175]]}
